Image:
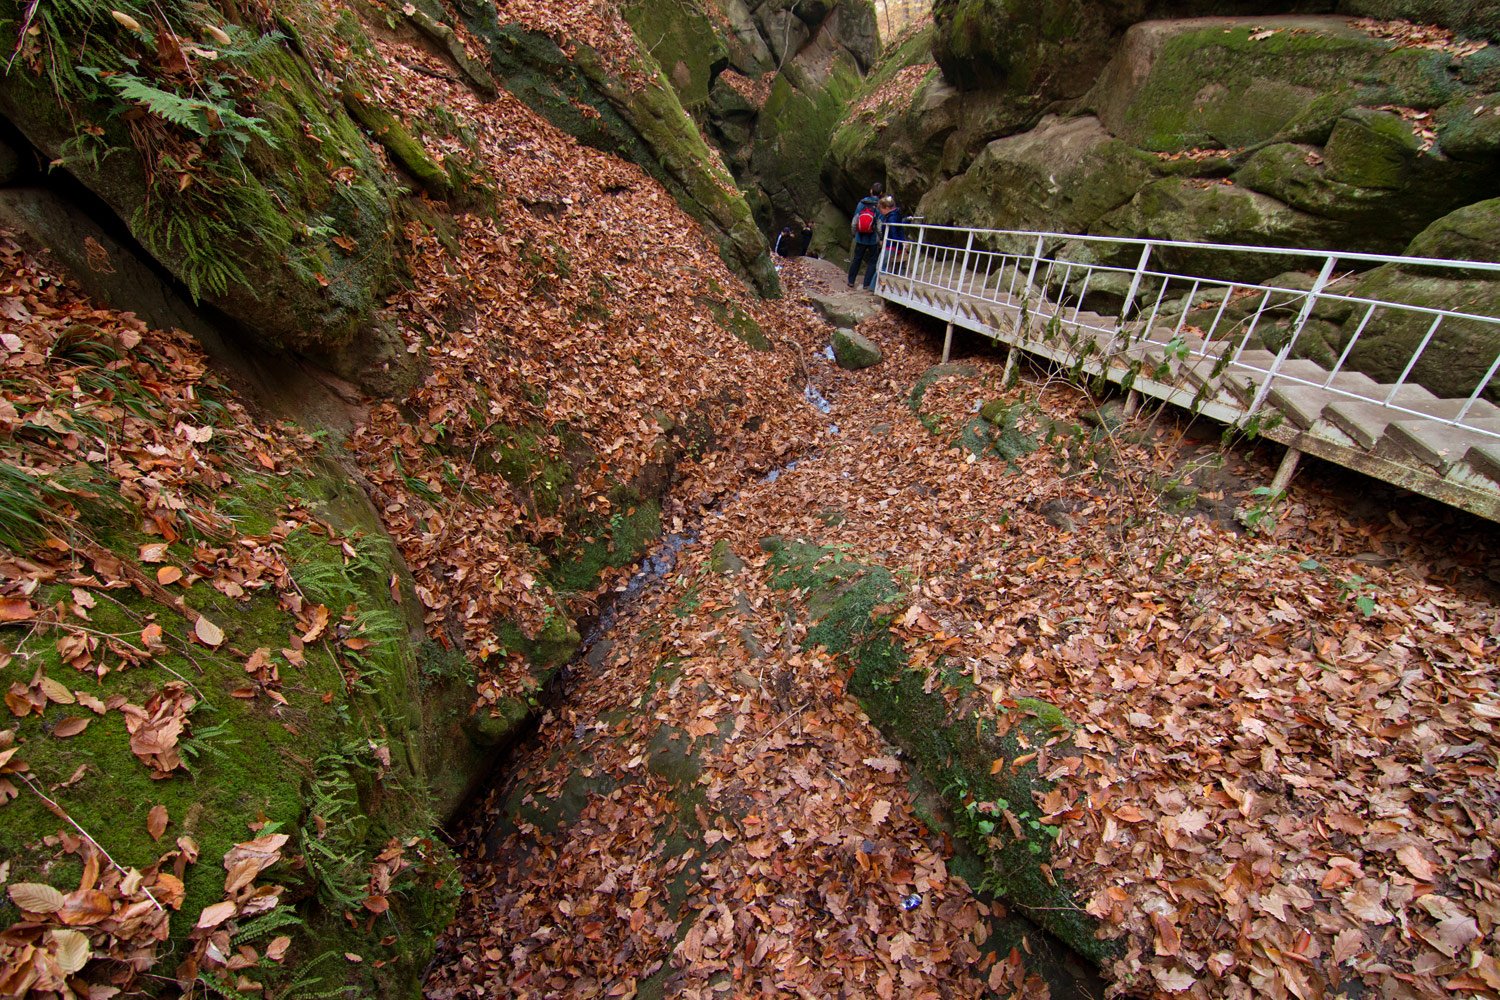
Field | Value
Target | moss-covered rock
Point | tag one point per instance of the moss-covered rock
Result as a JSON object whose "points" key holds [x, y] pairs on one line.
{"points": [[1211, 212], [1473, 18], [1372, 181], [1461, 351], [647, 125], [893, 135], [255, 227], [960, 749], [344, 761], [684, 43], [1063, 176], [854, 351], [1181, 84], [1469, 129]]}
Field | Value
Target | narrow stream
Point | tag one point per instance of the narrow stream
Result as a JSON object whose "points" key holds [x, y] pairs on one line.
{"points": [[1068, 974]]}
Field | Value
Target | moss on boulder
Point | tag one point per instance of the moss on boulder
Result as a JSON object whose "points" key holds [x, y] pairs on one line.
{"points": [[1474, 18], [1062, 176], [648, 126], [344, 762], [1193, 83], [1461, 351], [959, 748], [1372, 181], [684, 43], [854, 351], [795, 127], [259, 247]]}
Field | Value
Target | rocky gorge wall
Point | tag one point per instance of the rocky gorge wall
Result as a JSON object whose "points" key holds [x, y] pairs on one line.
{"points": [[1269, 124], [767, 82]]}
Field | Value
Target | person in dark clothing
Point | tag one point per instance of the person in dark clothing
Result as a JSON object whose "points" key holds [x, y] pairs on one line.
{"points": [[893, 233], [806, 239], [865, 228], [786, 243]]}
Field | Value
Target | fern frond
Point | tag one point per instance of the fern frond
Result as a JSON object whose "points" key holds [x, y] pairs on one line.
{"points": [[268, 923], [185, 112]]}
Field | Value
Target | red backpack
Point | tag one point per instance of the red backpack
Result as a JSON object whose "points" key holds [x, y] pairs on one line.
{"points": [[867, 223]]}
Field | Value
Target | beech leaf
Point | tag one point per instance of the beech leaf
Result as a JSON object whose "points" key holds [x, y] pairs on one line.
{"points": [[156, 821], [73, 950], [207, 632], [36, 897]]}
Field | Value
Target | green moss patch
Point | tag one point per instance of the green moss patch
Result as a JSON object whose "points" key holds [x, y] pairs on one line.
{"points": [[339, 763], [613, 542], [976, 757]]}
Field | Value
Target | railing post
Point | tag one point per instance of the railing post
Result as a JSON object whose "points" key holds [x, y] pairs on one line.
{"points": [[1264, 388], [1415, 356], [963, 269], [1478, 390], [1036, 256], [1135, 283]]}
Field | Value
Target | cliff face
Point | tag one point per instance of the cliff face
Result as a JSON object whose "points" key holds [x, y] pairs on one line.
{"points": [[1281, 129], [767, 82]]}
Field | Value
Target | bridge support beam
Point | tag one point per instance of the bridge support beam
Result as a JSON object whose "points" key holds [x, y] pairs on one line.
{"points": [[1286, 470], [947, 342], [1132, 403], [1010, 365]]}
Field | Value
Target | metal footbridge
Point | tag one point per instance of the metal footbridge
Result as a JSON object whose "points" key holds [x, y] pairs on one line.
{"points": [[1195, 325]]}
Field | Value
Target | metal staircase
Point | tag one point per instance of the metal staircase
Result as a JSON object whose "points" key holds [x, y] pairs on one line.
{"points": [[1178, 322]]}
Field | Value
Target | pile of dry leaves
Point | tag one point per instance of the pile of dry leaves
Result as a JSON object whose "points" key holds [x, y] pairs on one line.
{"points": [[1282, 779]]}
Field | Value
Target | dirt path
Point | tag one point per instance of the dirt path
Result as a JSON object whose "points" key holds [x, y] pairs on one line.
{"points": [[1282, 775]]}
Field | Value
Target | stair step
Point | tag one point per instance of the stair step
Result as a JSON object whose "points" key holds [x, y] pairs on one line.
{"points": [[1200, 371], [1449, 409], [1244, 383], [1301, 404], [1355, 382], [1484, 456], [1441, 446], [1408, 395], [1364, 422]]}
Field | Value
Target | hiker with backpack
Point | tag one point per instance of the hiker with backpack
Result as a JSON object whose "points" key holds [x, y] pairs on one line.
{"points": [[786, 243], [865, 228], [893, 233]]}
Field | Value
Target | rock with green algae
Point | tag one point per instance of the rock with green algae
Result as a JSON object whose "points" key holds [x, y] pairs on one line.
{"points": [[1459, 355], [260, 249], [345, 766], [1188, 83], [889, 135], [647, 125], [685, 44], [1473, 18], [1469, 129], [1372, 181], [807, 58], [1180, 209], [854, 351], [794, 129], [1062, 176], [950, 738]]}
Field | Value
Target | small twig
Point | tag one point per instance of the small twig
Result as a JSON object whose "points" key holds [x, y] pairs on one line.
{"points": [[1060, 909], [62, 814], [785, 719]]}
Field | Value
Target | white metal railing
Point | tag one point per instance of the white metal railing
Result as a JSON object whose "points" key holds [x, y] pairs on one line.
{"points": [[1050, 275]]}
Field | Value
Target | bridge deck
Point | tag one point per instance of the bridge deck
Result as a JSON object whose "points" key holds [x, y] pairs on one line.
{"points": [[1304, 406]]}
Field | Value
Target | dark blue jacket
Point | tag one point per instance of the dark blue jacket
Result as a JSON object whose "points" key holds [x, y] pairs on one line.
{"points": [[865, 239], [890, 224]]}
